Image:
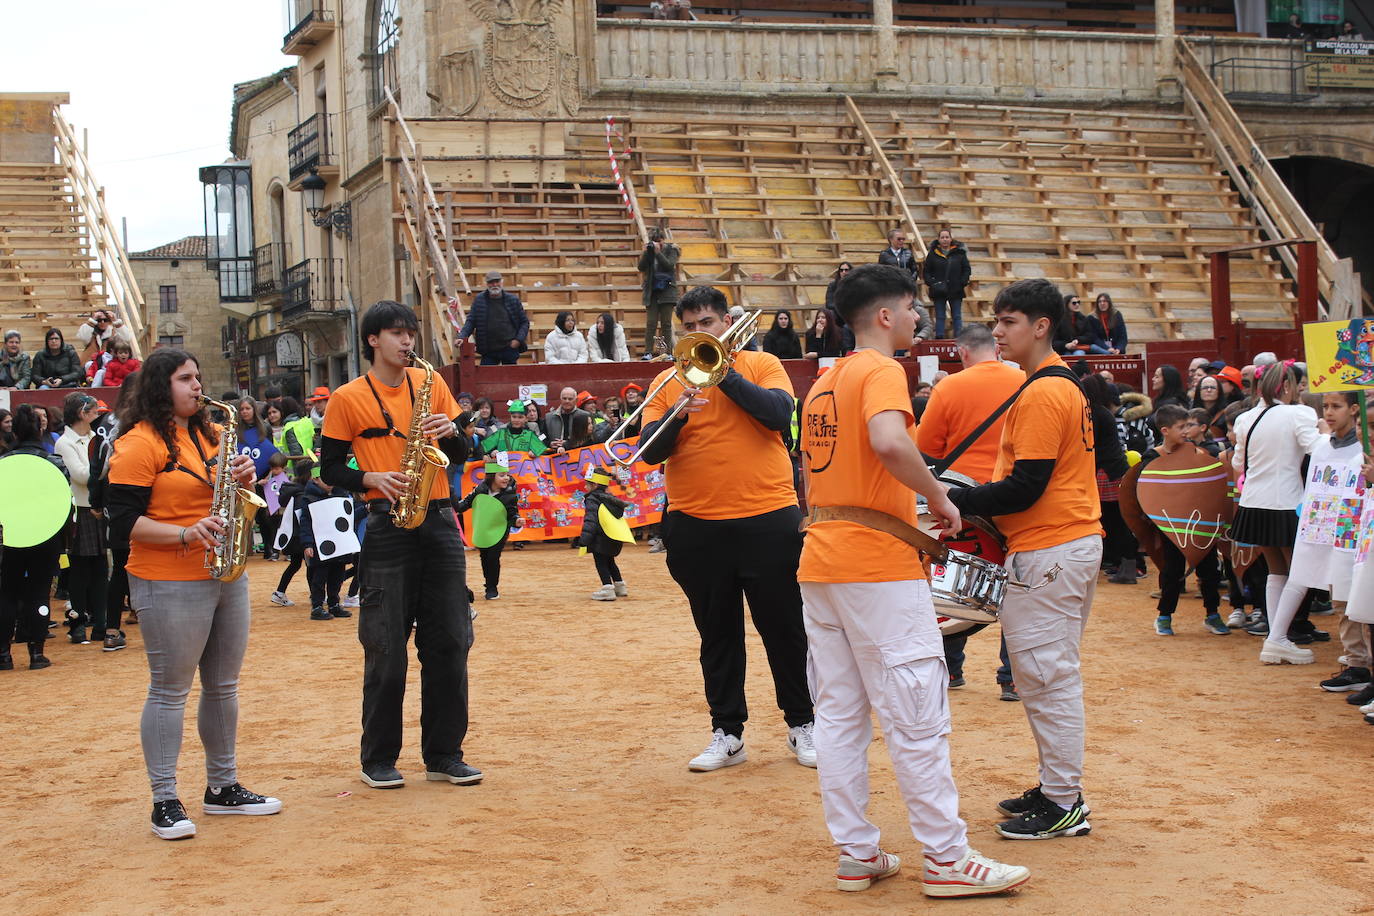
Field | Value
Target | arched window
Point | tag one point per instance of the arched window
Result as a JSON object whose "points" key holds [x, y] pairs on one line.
{"points": [[384, 34]]}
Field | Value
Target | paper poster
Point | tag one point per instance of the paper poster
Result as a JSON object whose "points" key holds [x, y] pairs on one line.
{"points": [[288, 525], [550, 489], [929, 366], [331, 521], [1331, 510], [271, 491], [1340, 354], [539, 394]]}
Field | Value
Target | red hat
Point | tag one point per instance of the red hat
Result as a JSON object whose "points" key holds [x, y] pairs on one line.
{"points": [[584, 396], [1232, 375], [625, 392], [320, 394]]}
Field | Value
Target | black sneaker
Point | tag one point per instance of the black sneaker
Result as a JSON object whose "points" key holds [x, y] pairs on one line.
{"points": [[383, 776], [1046, 820], [492, 594], [454, 771], [338, 610], [1009, 693], [170, 821], [956, 680], [1022, 803], [236, 799], [319, 613], [1258, 628], [1348, 679], [1361, 697], [114, 642], [78, 637]]}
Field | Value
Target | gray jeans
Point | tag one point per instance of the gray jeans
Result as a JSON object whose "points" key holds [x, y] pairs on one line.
{"points": [[185, 626]]}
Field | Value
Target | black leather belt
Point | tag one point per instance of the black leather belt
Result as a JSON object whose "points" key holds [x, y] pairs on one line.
{"points": [[384, 505]]}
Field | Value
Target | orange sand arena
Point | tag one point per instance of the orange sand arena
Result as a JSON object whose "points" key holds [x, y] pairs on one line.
{"points": [[1217, 785]]}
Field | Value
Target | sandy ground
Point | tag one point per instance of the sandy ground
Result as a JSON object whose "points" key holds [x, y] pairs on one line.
{"points": [[1217, 785]]}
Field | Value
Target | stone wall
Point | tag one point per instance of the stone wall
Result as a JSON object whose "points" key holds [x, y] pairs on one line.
{"points": [[198, 318]]}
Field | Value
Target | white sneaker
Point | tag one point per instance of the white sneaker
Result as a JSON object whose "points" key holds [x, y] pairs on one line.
{"points": [[620, 590], [857, 874], [1367, 709], [973, 875], [800, 742], [723, 751], [1236, 620], [280, 599], [656, 545], [604, 593], [350, 601], [1282, 651]]}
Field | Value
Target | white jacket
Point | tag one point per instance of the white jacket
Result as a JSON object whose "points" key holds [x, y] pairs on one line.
{"points": [[620, 353], [1287, 434], [561, 347], [74, 450]]}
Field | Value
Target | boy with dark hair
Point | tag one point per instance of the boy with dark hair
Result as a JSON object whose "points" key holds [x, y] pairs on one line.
{"points": [[867, 604], [1175, 424], [412, 579], [1044, 496], [722, 550]]}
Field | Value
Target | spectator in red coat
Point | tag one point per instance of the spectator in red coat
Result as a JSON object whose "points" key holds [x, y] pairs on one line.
{"points": [[120, 365]]}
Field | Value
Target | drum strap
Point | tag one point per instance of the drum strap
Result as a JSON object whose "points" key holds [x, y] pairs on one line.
{"points": [[879, 521]]}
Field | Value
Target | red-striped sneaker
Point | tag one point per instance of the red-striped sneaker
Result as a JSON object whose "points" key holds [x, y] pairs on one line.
{"points": [[973, 875], [857, 874]]}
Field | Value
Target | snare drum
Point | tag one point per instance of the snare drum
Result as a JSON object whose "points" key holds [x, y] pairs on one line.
{"points": [[972, 582]]}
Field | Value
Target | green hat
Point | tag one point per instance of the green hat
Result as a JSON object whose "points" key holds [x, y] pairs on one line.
{"points": [[496, 467], [516, 406]]}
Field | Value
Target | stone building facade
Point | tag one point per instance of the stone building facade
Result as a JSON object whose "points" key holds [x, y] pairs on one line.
{"points": [[182, 299]]}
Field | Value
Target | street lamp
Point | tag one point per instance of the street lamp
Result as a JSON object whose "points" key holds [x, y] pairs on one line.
{"points": [[339, 218]]}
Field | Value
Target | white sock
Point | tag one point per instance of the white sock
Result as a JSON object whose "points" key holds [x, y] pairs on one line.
{"points": [[1278, 598]]}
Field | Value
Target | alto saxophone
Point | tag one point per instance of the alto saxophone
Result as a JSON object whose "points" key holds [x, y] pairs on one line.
{"points": [[232, 504], [422, 461]]}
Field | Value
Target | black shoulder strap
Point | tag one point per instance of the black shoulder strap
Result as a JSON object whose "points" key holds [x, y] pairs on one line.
{"points": [[1048, 372], [1249, 434]]}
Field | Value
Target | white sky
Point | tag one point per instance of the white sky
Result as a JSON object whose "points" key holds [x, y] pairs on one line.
{"points": [[152, 83]]}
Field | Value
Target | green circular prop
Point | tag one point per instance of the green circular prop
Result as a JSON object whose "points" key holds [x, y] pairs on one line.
{"points": [[488, 520], [37, 500]]}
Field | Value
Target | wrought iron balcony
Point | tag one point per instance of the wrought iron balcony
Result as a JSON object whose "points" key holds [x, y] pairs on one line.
{"points": [[309, 21], [310, 148], [269, 263], [312, 288]]}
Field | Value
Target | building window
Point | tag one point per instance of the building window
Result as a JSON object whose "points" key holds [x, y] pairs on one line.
{"points": [[385, 35], [166, 299], [172, 341]]}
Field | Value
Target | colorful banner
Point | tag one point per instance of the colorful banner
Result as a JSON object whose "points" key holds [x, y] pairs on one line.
{"points": [[550, 489], [1340, 354]]}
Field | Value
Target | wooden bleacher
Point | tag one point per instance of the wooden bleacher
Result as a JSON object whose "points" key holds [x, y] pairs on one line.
{"points": [[1116, 202], [48, 277]]}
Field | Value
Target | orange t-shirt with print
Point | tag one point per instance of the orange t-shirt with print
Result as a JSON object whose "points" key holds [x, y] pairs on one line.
{"points": [[958, 406], [352, 409], [178, 498], [726, 464], [842, 470], [1051, 419]]}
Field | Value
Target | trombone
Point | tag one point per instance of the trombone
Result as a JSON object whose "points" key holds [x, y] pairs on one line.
{"points": [[700, 360]]}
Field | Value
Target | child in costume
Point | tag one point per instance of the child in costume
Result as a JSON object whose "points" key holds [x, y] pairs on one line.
{"points": [[603, 547], [500, 484]]}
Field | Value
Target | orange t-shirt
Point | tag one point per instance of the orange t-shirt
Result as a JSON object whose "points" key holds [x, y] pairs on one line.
{"points": [[1051, 419], [726, 464], [958, 405], [352, 409], [178, 498], [844, 471]]}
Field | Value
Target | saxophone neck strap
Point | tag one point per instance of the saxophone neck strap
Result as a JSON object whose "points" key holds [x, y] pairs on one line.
{"points": [[390, 429], [879, 521], [209, 463]]}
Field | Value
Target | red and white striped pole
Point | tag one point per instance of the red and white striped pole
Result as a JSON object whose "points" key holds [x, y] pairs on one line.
{"points": [[615, 164]]}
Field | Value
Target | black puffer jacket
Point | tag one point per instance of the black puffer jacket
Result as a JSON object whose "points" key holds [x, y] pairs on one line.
{"points": [[507, 497], [947, 274], [592, 537], [66, 365]]}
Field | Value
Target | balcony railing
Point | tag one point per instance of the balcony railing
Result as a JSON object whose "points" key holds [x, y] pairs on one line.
{"points": [[269, 263], [312, 287], [309, 146], [308, 21]]}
